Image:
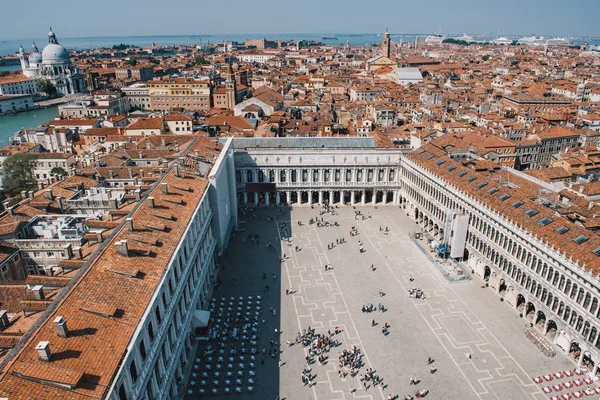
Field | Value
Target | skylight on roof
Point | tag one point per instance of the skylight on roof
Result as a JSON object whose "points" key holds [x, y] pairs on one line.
{"points": [[596, 252], [481, 185], [492, 190], [561, 230], [471, 179], [504, 197], [517, 204], [420, 151], [545, 221], [439, 162], [581, 239], [429, 157], [531, 212], [451, 168], [462, 173]]}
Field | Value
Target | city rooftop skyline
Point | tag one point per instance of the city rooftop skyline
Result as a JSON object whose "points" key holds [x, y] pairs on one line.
{"points": [[148, 18]]}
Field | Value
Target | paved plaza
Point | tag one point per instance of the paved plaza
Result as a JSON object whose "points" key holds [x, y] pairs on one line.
{"points": [[454, 319]]}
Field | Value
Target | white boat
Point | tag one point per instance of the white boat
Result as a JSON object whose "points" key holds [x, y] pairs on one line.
{"points": [[435, 39], [542, 41], [501, 40], [465, 38]]}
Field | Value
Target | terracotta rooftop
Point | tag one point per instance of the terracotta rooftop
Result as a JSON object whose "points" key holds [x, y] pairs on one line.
{"points": [[89, 361]]}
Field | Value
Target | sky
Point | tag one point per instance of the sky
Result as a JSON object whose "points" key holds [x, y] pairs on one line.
{"points": [[87, 18]]}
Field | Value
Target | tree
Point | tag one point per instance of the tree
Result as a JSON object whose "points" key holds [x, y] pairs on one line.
{"points": [[485, 57], [131, 61], [201, 60], [47, 87], [17, 172], [4, 73], [58, 171]]}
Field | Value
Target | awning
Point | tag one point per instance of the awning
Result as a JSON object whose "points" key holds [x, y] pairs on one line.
{"points": [[201, 318]]}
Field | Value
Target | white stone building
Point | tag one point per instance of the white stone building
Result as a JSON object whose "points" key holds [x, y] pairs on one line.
{"points": [[538, 262], [54, 64], [316, 170]]}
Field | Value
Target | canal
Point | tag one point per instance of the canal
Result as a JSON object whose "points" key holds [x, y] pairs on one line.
{"points": [[30, 119]]}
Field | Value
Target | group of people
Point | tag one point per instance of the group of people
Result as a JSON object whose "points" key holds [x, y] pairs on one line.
{"points": [[351, 359], [416, 293], [371, 378], [318, 346], [354, 231]]}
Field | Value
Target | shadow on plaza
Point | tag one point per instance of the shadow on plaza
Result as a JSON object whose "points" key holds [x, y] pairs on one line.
{"points": [[250, 267]]}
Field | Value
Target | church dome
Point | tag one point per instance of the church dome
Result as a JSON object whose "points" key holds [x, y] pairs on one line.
{"points": [[55, 52], [35, 58]]}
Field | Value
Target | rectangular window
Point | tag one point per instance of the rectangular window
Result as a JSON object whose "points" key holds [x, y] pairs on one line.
{"points": [[142, 350], [581, 239], [561, 230], [517, 204], [504, 197], [133, 371], [545, 221]]}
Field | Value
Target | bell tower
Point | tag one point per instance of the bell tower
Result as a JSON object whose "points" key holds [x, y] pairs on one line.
{"points": [[230, 89], [386, 44]]}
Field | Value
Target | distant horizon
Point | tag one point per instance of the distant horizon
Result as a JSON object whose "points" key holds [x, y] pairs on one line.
{"points": [[266, 35]]}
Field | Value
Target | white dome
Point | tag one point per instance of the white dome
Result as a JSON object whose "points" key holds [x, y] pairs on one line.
{"points": [[35, 58], [55, 52]]}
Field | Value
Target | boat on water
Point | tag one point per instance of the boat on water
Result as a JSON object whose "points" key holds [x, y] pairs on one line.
{"points": [[465, 38], [435, 38], [329, 38], [502, 40], [534, 40]]}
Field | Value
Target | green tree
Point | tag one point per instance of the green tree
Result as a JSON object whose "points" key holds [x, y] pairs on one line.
{"points": [[485, 57], [58, 171], [131, 61], [17, 172], [201, 60], [4, 73], [47, 87]]}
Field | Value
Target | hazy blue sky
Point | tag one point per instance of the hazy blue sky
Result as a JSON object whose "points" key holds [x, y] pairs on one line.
{"points": [[82, 18]]}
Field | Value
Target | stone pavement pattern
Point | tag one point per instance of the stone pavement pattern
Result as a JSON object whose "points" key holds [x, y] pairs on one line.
{"points": [[453, 320]]}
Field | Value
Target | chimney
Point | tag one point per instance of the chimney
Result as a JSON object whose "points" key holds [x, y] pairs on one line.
{"points": [[30, 194], [110, 174], [129, 223], [7, 208], [141, 155], [141, 173], [49, 194], [98, 178], [43, 349], [151, 201], [138, 192], [77, 253], [3, 319], [60, 203], [196, 153], [177, 170], [121, 246], [581, 189], [23, 194], [61, 327], [163, 142], [591, 205], [177, 148], [38, 292], [164, 187], [130, 173], [40, 185], [99, 237]]}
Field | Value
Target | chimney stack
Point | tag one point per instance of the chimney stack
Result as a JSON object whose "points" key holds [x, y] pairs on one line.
{"points": [[3, 319], [110, 174], [23, 194], [59, 202], [130, 173], [78, 254], [130, 223], [38, 292], [43, 349], [177, 170], [30, 194], [99, 237], [122, 248], [49, 194], [151, 201], [61, 327], [164, 187]]}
